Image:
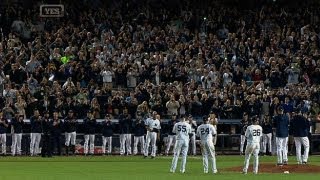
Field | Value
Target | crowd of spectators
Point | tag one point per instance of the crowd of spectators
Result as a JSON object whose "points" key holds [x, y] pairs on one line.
{"points": [[188, 59]]}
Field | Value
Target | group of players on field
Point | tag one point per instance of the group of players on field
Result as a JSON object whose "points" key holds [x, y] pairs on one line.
{"points": [[180, 133]]}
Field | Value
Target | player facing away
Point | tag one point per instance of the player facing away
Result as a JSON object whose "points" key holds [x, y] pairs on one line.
{"points": [[253, 135], [207, 132], [299, 126], [182, 130]]}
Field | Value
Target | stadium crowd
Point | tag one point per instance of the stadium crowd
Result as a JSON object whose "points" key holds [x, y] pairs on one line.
{"points": [[183, 58]]}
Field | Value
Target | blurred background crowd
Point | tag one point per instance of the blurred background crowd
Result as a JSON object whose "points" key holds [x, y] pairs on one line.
{"points": [[170, 56]]}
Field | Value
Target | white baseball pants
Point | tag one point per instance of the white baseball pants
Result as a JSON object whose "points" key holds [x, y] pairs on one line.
{"points": [[137, 140], [35, 143], [180, 146], [151, 138], [125, 143], [70, 138], [193, 144], [252, 148], [208, 152], [106, 140], [242, 141], [87, 138], [16, 144], [282, 149], [266, 139], [170, 141], [306, 144], [3, 141]]}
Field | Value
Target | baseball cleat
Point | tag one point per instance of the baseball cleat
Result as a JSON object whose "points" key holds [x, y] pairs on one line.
{"points": [[285, 163]]}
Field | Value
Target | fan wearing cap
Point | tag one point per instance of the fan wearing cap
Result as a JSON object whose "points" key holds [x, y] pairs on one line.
{"points": [[17, 124], [171, 135], [207, 132], [90, 125], [70, 125], [299, 129], [107, 133], [193, 125], [138, 132], [253, 135], [281, 124]]}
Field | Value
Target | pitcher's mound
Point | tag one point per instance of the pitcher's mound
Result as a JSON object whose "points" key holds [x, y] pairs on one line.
{"points": [[272, 168]]}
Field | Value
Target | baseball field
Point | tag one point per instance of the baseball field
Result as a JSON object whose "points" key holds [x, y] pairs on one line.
{"points": [[138, 168]]}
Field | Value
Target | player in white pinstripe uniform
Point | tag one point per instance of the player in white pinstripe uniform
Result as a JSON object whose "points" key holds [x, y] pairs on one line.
{"points": [[153, 128]]}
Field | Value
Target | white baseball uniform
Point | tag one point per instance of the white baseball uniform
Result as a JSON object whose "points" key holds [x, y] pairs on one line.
{"points": [[35, 143], [106, 140], [206, 132], [182, 131], [3, 141], [253, 135], [87, 138], [154, 126]]}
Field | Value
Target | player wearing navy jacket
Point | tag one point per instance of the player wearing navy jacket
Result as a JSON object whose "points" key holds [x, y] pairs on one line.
{"points": [[107, 133], [299, 126], [171, 136], [281, 123], [3, 133], [35, 134], [138, 131], [125, 124], [46, 125], [16, 130], [57, 126], [70, 125], [244, 125], [266, 135], [90, 125]]}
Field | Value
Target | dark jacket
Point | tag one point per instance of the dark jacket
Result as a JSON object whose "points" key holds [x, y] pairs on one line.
{"points": [[138, 128], [35, 124], [90, 126], [17, 126], [70, 124], [281, 123], [299, 126], [57, 128], [125, 125], [107, 129]]}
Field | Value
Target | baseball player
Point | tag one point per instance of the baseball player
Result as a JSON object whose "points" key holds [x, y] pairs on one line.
{"points": [[90, 124], [70, 124], [3, 136], [153, 127], [171, 136], [214, 121], [299, 127], [139, 131], [244, 125], [266, 135], [107, 133], [253, 135], [57, 126], [182, 130], [193, 125], [125, 124], [206, 132], [46, 125], [35, 134], [281, 123], [16, 130]]}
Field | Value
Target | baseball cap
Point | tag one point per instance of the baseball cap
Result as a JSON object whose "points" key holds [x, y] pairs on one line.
{"points": [[205, 118], [70, 111]]}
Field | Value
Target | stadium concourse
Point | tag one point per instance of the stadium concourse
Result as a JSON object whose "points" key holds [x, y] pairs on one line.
{"points": [[173, 57]]}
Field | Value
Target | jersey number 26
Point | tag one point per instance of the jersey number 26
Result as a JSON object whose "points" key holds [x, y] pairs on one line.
{"points": [[256, 132]]}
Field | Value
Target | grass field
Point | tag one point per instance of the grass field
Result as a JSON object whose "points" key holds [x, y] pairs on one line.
{"points": [[131, 168]]}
